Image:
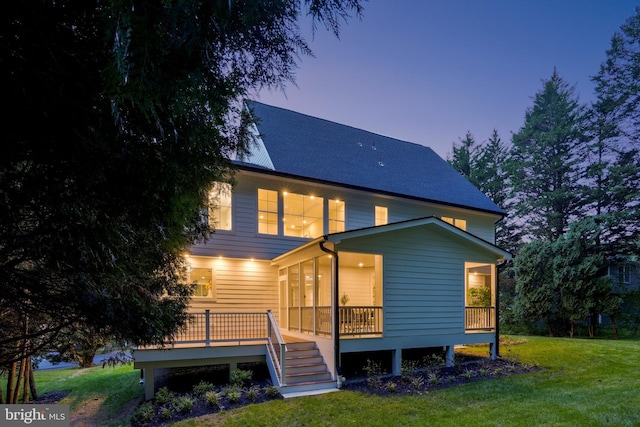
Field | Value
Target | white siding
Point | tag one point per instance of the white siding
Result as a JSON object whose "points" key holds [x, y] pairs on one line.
{"points": [[423, 281], [244, 241], [239, 285]]}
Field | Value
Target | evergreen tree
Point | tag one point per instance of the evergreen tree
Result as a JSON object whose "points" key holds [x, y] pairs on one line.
{"points": [[463, 157], [122, 115], [613, 187], [544, 165], [488, 171]]}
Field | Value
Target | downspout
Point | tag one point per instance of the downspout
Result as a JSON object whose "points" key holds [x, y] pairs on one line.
{"points": [[336, 311], [500, 264]]}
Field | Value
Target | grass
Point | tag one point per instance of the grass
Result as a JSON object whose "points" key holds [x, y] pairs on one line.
{"points": [[110, 389], [585, 382]]}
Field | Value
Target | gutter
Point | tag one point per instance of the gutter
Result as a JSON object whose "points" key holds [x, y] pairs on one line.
{"points": [[336, 311]]}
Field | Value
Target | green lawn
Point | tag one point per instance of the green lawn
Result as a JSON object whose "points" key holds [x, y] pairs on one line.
{"points": [[583, 383]]}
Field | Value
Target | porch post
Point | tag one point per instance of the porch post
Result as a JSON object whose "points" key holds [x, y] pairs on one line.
{"points": [[397, 361], [149, 385], [450, 355]]}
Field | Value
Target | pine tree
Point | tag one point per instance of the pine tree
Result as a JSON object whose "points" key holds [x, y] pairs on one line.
{"points": [[463, 157], [613, 186], [544, 164]]}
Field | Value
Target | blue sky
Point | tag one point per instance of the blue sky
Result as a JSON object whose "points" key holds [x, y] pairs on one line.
{"points": [[428, 71]]}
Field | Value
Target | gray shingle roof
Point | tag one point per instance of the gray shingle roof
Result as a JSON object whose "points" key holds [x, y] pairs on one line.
{"points": [[314, 148]]}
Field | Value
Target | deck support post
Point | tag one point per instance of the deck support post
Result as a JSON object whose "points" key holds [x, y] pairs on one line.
{"points": [[493, 350], [450, 354], [397, 361], [149, 377]]}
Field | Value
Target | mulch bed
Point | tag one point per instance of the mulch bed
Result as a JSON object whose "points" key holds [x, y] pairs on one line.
{"points": [[428, 379]]}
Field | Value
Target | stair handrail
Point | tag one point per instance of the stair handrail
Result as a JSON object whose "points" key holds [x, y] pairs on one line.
{"points": [[278, 350]]}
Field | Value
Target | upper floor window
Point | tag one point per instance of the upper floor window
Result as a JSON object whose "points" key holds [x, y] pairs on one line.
{"points": [[460, 223], [202, 278], [381, 215], [303, 216], [267, 211], [336, 216], [220, 206]]}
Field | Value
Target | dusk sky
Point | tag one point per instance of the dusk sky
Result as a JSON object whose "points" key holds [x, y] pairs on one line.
{"points": [[428, 71]]}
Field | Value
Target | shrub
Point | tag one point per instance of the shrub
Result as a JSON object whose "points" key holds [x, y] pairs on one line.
{"points": [[433, 378], [253, 393], [202, 388], [164, 396], [144, 414], [241, 377], [391, 387], [183, 404], [408, 368], [417, 383], [374, 372], [468, 373], [212, 398], [272, 391], [432, 361], [165, 413], [233, 393]]}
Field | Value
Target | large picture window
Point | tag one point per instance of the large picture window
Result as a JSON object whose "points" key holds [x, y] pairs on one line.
{"points": [[267, 211], [220, 206], [303, 215], [336, 216]]}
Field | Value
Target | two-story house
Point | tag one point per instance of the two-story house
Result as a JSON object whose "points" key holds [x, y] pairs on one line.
{"points": [[336, 241]]}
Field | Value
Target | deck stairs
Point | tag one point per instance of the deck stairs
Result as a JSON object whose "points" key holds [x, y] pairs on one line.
{"points": [[306, 371]]}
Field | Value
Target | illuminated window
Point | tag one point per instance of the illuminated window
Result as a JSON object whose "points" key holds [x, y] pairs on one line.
{"points": [[336, 216], [220, 206], [202, 278], [267, 211], [460, 223], [302, 215], [382, 215]]}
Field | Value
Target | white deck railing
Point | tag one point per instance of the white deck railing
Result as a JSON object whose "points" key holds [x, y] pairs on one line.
{"points": [[480, 318], [207, 328]]}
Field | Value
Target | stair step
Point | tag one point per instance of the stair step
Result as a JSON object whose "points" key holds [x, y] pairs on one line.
{"points": [[308, 377], [308, 360], [302, 345], [308, 368], [300, 353], [305, 388]]}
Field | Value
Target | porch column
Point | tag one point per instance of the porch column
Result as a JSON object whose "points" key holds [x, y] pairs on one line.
{"points": [[397, 361], [148, 376], [493, 350], [449, 355]]}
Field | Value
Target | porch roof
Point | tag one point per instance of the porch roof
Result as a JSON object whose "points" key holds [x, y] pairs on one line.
{"points": [[402, 225]]}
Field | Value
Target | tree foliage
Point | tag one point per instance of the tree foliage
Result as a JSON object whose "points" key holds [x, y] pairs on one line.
{"points": [[565, 282], [122, 114], [544, 163], [614, 166]]}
